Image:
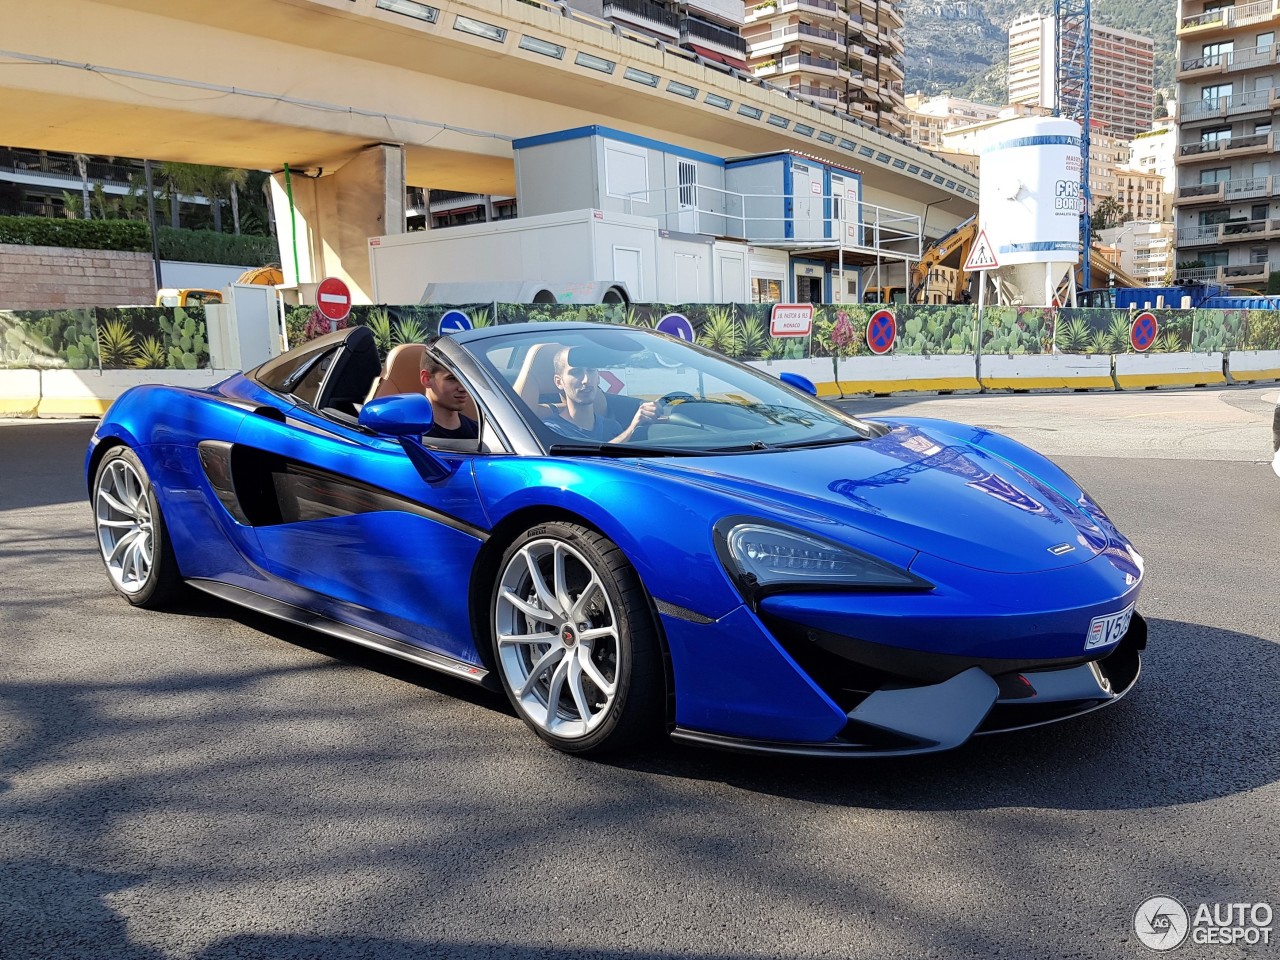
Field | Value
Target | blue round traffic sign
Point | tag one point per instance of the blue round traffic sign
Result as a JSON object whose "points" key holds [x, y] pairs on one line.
{"points": [[1143, 330], [882, 330], [453, 321], [677, 325]]}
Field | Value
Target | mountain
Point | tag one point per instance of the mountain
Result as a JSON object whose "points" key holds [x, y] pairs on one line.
{"points": [[962, 45]]}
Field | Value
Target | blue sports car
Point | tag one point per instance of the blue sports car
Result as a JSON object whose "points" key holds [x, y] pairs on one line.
{"points": [[640, 537]]}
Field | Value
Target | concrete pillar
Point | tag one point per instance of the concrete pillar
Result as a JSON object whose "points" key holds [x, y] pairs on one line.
{"points": [[326, 232]]}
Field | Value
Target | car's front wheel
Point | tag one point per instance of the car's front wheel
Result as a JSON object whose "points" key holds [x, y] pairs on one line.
{"points": [[575, 642], [131, 531]]}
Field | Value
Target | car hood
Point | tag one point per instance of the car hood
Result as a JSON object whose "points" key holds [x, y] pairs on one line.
{"points": [[918, 487]]}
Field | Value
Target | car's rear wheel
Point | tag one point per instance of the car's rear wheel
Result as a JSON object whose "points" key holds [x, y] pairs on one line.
{"points": [[575, 642], [131, 531]]}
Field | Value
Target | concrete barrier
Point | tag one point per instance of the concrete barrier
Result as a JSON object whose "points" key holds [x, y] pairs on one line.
{"points": [[88, 393], [1250, 366], [817, 369], [1138, 371], [908, 374], [19, 393], [1062, 371]]}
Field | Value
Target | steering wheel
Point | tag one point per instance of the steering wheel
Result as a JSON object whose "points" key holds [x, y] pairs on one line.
{"points": [[669, 400]]}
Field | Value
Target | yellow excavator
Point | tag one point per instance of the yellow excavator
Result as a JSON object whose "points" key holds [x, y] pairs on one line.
{"points": [[953, 248], [194, 296], [949, 250]]}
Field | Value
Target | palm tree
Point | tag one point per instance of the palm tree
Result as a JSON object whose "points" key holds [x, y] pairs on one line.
{"points": [[180, 179], [235, 179], [82, 165]]}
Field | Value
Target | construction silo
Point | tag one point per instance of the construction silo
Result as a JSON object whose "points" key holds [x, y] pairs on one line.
{"points": [[1029, 207]]}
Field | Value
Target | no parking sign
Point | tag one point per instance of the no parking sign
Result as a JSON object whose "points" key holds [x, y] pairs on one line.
{"points": [[882, 330], [1143, 330]]}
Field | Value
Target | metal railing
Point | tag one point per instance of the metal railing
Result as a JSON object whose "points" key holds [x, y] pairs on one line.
{"points": [[1232, 59], [1215, 107], [711, 33], [762, 219], [1224, 144], [1233, 16], [645, 10]]}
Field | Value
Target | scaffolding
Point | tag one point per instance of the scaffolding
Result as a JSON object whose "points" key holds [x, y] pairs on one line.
{"points": [[1073, 93]]}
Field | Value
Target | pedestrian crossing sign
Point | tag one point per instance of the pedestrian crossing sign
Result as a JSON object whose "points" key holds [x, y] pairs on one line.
{"points": [[983, 255]]}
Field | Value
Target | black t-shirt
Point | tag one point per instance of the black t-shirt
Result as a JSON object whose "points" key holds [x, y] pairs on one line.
{"points": [[602, 428], [467, 429]]}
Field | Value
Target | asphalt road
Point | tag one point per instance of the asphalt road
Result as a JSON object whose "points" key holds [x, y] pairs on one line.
{"points": [[208, 783]]}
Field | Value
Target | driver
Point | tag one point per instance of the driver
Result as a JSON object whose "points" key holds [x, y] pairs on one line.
{"points": [[578, 385]]}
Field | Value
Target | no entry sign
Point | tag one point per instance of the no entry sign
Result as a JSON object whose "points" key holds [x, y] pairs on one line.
{"points": [[333, 298], [1143, 330], [882, 330]]}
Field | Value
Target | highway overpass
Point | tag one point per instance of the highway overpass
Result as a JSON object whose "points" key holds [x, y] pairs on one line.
{"points": [[358, 100]]}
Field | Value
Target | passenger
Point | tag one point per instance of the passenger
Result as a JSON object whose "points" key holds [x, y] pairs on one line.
{"points": [[448, 399], [579, 385]]}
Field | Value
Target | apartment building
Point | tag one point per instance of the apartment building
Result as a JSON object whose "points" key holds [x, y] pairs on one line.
{"points": [[1122, 69], [1141, 248], [842, 54], [1228, 167], [1153, 152], [928, 118]]}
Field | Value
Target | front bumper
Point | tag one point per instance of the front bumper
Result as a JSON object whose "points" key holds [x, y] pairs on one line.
{"points": [[900, 720]]}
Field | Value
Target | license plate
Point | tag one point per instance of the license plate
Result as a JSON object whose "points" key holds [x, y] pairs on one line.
{"points": [[1104, 631]]}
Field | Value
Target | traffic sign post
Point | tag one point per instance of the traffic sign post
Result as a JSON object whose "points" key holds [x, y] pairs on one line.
{"points": [[676, 325], [982, 256], [1143, 330], [333, 300], [453, 321], [882, 331]]}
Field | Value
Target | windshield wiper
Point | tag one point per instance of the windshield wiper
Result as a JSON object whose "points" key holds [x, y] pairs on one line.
{"points": [[825, 442], [623, 450]]}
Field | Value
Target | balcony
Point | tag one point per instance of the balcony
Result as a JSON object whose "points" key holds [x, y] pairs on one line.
{"points": [[828, 10], [824, 96], [782, 37], [1219, 108], [1248, 188], [1201, 193], [1233, 146], [643, 13], [1229, 18], [801, 63], [1246, 273], [705, 33], [1234, 231], [1230, 62], [59, 169], [1249, 231]]}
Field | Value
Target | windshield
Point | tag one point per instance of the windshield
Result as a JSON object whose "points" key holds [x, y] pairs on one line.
{"points": [[627, 390]]}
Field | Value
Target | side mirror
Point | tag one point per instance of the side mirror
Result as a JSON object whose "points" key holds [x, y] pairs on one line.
{"points": [[407, 417], [404, 415], [799, 382]]}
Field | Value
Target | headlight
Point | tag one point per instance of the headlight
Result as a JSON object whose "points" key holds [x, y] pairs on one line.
{"points": [[766, 558]]}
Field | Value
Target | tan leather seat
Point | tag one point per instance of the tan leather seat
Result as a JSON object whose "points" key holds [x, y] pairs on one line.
{"points": [[402, 373]]}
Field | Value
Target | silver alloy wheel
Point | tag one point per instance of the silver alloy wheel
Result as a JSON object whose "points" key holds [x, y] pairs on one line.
{"points": [[558, 643], [125, 533]]}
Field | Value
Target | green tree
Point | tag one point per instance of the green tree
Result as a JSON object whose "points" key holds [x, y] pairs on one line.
{"points": [[1108, 213]]}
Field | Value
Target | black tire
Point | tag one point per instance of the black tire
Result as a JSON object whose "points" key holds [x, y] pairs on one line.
{"points": [[599, 663], [132, 537]]}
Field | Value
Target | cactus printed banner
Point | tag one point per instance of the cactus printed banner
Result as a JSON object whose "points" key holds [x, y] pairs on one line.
{"points": [[176, 338], [119, 338]]}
